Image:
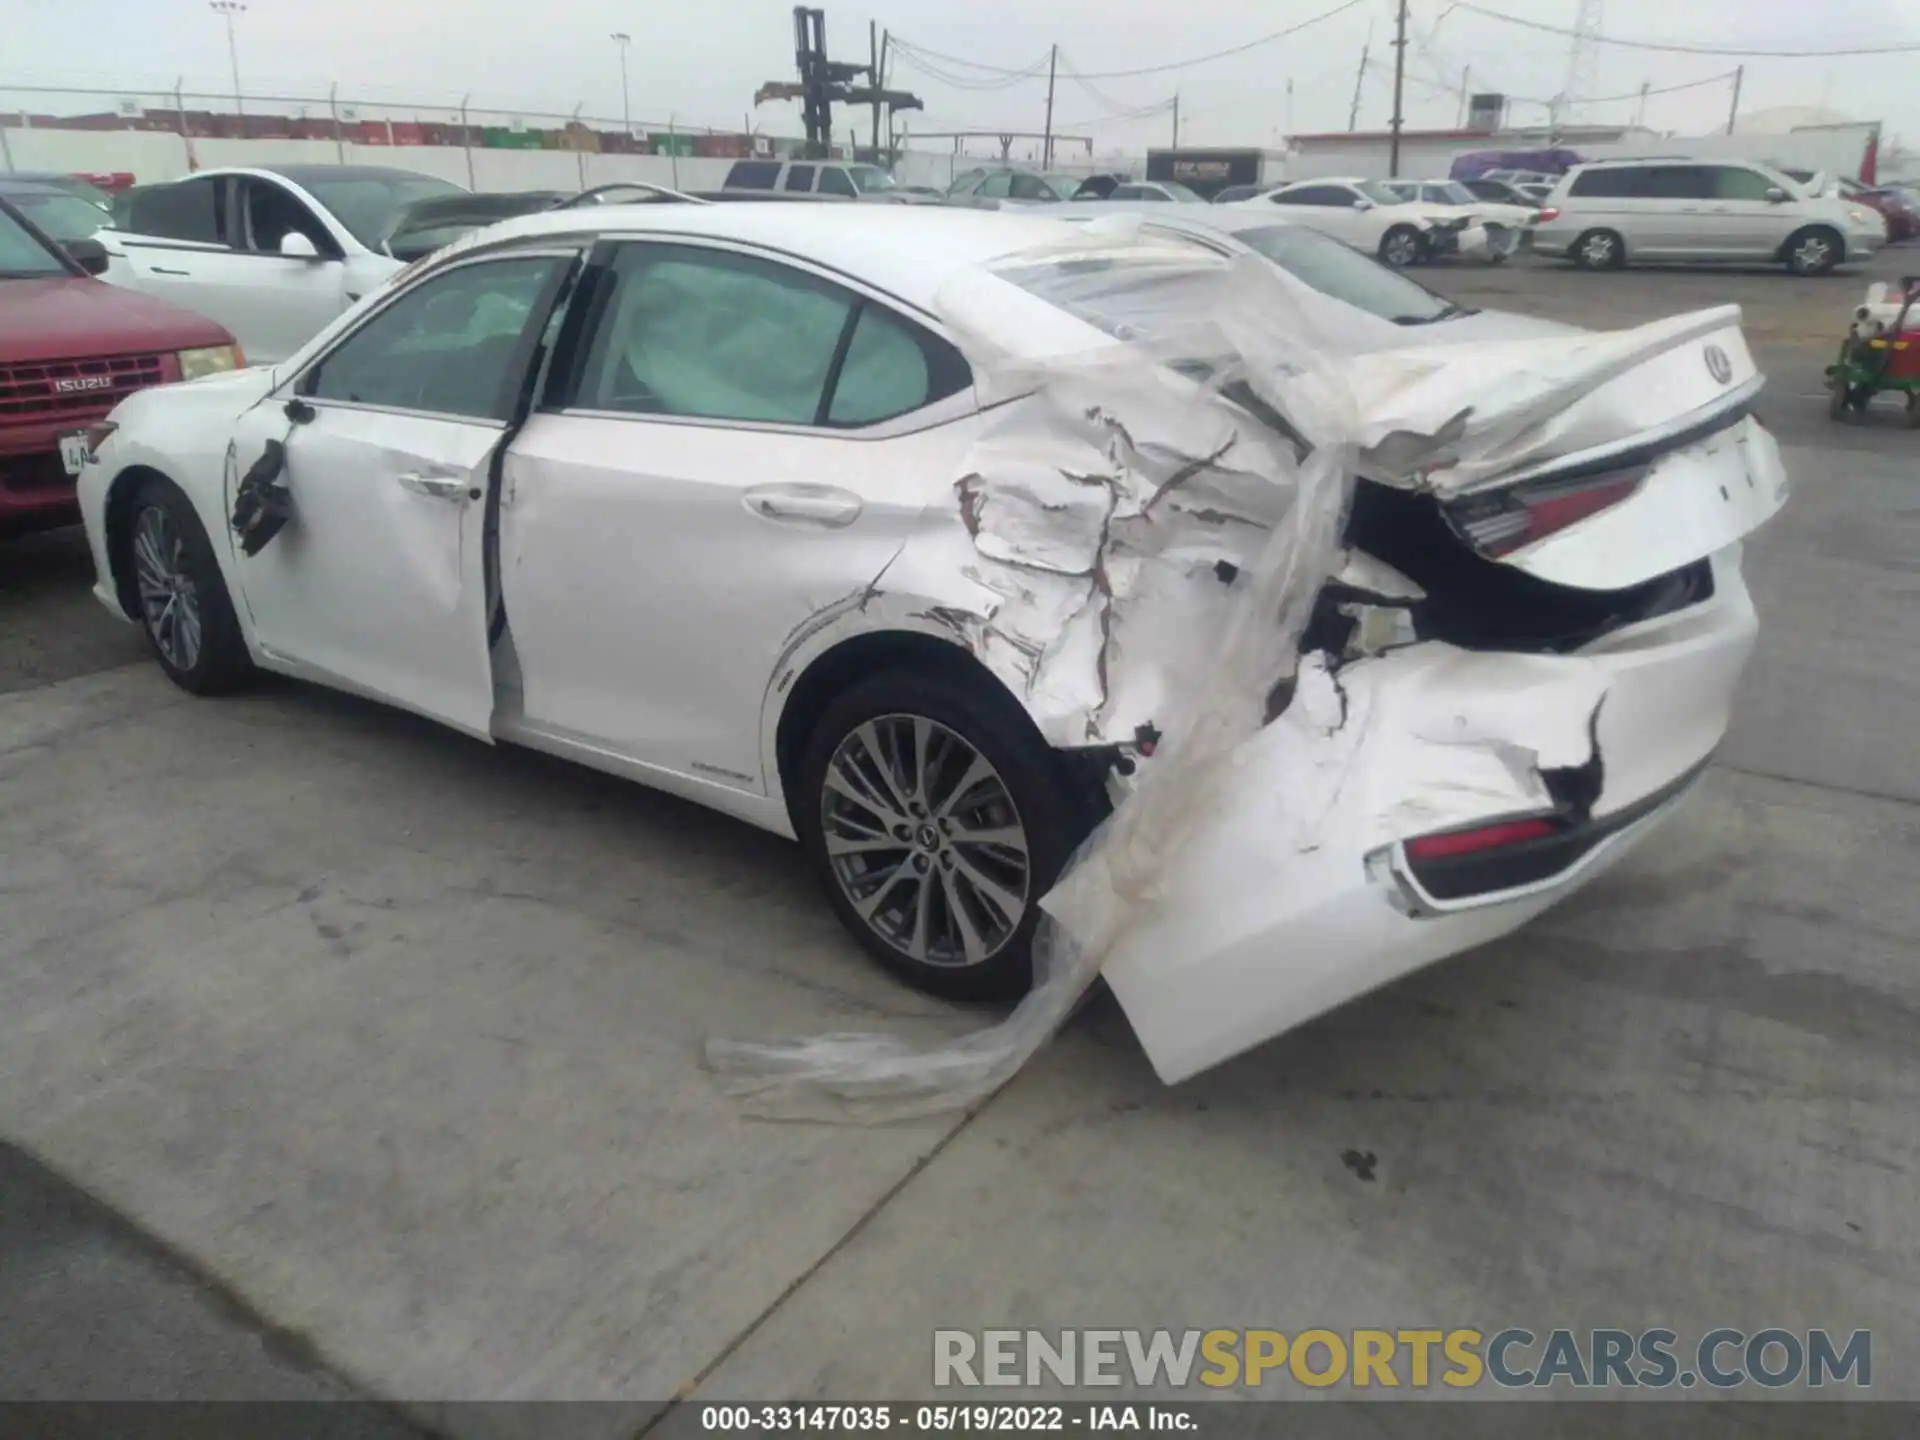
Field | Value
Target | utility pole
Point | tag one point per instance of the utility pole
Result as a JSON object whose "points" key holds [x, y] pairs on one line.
{"points": [[622, 39], [1466, 89], [1353, 113], [1399, 81], [228, 9], [1640, 110], [1733, 111], [1176, 119], [873, 73], [1289, 107], [1046, 146], [879, 82]]}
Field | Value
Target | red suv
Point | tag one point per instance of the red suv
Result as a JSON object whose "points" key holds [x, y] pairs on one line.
{"points": [[71, 348]]}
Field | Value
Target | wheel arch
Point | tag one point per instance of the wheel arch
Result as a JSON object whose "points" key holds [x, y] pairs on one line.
{"points": [[803, 690], [1839, 240], [117, 525]]}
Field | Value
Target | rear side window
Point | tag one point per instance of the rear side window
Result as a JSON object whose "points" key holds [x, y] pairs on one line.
{"points": [[188, 210], [1030, 187], [1622, 182], [753, 175], [836, 182], [997, 186], [714, 335], [799, 178]]}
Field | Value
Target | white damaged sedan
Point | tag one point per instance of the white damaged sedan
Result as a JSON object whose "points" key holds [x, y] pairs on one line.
{"points": [[800, 512]]}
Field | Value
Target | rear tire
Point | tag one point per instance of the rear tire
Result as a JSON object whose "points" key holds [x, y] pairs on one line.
{"points": [[949, 915], [1402, 246], [185, 610], [1599, 250], [1813, 251]]}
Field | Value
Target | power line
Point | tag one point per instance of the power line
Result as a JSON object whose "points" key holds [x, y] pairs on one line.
{"points": [[914, 59], [1174, 64], [1903, 48]]}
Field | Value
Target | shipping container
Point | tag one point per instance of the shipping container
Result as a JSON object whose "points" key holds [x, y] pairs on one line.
{"points": [[723, 147], [669, 144], [408, 132], [369, 132]]}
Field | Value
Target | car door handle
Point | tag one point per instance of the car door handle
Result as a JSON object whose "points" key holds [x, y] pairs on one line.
{"points": [[438, 487], [163, 270], [805, 504]]}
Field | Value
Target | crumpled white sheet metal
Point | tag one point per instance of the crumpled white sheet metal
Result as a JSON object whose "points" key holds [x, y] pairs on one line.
{"points": [[1144, 548], [1104, 506]]}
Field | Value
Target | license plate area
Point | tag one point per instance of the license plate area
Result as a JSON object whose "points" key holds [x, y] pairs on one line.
{"points": [[73, 451]]}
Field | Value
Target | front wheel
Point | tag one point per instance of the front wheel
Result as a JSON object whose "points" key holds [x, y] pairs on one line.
{"points": [[1402, 246], [184, 606], [937, 818], [1814, 251]]}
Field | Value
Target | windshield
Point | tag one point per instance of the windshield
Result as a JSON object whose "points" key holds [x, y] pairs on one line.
{"points": [[1344, 273], [871, 179], [1062, 185], [368, 205], [65, 217], [22, 257], [1380, 194], [1453, 192], [1401, 189], [1180, 192]]}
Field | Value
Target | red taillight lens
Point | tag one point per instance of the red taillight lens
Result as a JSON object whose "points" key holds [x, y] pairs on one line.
{"points": [[1545, 215], [1474, 842], [1499, 523]]}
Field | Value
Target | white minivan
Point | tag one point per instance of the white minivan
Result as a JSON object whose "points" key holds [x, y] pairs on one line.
{"points": [[1610, 212]]}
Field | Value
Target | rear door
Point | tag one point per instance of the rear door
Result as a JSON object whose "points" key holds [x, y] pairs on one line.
{"points": [[379, 582], [742, 443], [175, 244]]}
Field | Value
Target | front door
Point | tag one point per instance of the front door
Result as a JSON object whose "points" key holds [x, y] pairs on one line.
{"points": [[379, 582]]}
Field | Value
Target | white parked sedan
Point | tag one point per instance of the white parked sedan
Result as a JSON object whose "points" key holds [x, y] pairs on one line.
{"points": [[274, 254], [710, 497], [1369, 216]]}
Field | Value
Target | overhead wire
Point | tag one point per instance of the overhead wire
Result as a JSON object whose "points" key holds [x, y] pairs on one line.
{"points": [[1904, 47]]}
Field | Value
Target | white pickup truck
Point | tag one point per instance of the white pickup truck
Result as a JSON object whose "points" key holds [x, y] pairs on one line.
{"points": [[273, 254]]}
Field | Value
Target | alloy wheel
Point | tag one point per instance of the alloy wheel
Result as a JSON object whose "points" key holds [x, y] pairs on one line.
{"points": [[169, 600], [1598, 251], [1811, 254], [925, 841], [1402, 250]]}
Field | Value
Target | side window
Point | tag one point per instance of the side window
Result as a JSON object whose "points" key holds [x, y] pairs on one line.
{"points": [[965, 185], [1620, 182], [892, 367], [713, 335], [1030, 187], [448, 346], [799, 178], [1316, 195], [1736, 182], [835, 181], [272, 214], [753, 175], [1679, 182], [997, 186], [185, 210]]}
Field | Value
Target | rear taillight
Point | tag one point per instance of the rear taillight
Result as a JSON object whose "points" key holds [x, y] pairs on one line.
{"points": [[1480, 839], [1503, 521], [1545, 215]]}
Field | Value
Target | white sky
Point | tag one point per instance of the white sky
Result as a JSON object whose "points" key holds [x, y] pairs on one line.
{"points": [[700, 60]]}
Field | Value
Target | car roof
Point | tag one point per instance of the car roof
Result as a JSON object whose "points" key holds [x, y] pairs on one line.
{"points": [[908, 250], [14, 185]]}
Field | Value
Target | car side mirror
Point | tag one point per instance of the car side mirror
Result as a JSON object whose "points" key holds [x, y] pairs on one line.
{"points": [[90, 255], [296, 246], [1776, 196], [1363, 204]]}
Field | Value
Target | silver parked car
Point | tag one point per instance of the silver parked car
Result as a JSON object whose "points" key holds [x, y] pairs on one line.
{"points": [[1608, 213], [990, 189]]}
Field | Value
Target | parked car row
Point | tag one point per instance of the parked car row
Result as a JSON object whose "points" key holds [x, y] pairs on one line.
{"points": [[590, 481]]}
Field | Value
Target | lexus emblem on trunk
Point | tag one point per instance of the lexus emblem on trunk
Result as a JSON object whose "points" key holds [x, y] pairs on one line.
{"points": [[1718, 365], [74, 384]]}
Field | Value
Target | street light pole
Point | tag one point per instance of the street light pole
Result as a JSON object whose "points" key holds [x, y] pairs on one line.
{"points": [[228, 9], [622, 39]]}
